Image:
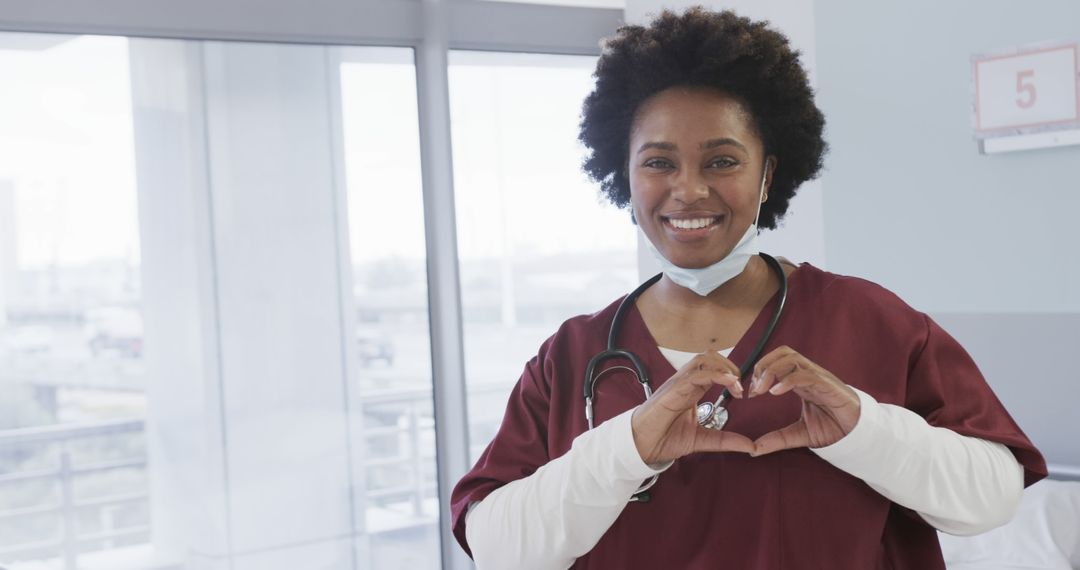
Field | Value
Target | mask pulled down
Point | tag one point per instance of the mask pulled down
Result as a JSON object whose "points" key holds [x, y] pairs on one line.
{"points": [[705, 280]]}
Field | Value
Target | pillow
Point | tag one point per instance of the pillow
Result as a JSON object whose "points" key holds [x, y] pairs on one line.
{"points": [[1044, 534]]}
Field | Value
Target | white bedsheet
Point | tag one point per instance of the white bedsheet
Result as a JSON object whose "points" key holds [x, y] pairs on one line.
{"points": [[1044, 534]]}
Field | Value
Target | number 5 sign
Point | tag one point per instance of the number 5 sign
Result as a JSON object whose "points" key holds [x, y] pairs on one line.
{"points": [[1026, 90]]}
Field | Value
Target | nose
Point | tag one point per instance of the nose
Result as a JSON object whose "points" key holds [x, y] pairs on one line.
{"points": [[689, 187]]}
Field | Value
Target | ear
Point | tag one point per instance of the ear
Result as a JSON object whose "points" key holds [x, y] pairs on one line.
{"points": [[770, 170]]}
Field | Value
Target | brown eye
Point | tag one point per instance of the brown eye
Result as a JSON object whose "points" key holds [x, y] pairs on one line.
{"points": [[659, 163], [723, 162]]}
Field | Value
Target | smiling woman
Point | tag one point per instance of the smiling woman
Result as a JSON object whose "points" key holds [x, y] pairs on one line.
{"points": [[862, 428], [695, 195]]}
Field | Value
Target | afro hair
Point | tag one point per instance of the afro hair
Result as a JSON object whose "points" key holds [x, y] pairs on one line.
{"points": [[718, 50]]}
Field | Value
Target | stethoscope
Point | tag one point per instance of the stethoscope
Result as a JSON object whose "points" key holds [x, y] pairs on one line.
{"points": [[711, 415]]}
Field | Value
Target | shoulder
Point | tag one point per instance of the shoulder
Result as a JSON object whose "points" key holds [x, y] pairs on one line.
{"points": [[584, 331], [572, 344], [853, 298]]}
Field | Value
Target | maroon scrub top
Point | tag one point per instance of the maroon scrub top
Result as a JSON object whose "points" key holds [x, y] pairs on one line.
{"points": [[787, 510]]}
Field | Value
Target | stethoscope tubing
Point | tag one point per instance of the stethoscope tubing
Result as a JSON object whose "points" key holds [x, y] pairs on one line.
{"points": [[716, 412], [592, 377]]}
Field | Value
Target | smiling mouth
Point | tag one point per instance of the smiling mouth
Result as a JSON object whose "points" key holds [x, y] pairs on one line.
{"points": [[687, 224]]}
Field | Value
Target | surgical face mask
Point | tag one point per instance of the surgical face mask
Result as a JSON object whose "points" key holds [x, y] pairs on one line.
{"points": [[705, 280]]}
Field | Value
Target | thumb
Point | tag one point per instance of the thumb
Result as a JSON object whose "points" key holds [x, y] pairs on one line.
{"points": [[714, 440], [789, 437]]}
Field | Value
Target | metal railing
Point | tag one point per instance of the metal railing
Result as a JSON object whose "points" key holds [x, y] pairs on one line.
{"points": [[70, 541], [401, 417]]}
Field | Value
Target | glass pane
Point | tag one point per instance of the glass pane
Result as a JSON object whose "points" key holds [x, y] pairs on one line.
{"points": [[72, 368], [393, 350], [193, 371], [537, 245]]}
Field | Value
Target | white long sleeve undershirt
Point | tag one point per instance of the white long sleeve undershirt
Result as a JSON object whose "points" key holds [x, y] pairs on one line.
{"points": [[557, 514], [958, 484]]}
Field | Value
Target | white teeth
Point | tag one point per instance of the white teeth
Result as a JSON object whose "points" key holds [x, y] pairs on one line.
{"points": [[691, 224]]}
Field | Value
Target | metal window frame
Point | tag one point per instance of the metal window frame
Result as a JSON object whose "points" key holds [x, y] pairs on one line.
{"points": [[432, 28], [469, 24]]}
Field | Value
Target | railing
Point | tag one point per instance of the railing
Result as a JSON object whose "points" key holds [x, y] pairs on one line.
{"points": [[70, 542], [402, 417], [411, 416]]}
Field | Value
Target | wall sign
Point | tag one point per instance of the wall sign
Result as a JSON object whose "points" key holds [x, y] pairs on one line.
{"points": [[1027, 91]]}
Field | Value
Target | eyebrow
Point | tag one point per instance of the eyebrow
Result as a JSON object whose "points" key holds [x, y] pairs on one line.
{"points": [[710, 144], [659, 145], [707, 145]]}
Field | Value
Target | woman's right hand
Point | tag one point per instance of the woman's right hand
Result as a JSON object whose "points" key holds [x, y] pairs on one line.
{"points": [[665, 426]]}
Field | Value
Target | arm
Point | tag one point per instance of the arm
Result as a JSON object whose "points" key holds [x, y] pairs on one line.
{"points": [[555, 515], [960, 485], [562, 509]]}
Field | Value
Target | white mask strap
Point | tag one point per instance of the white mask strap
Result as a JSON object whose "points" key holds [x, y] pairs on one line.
{"points": [[761, 193]]}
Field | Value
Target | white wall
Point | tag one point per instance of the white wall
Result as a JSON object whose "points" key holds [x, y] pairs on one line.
{"points": [[911, 203], [986, 244]]}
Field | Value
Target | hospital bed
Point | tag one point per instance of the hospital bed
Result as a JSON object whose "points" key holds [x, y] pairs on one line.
{"points": [[1044, 534]]}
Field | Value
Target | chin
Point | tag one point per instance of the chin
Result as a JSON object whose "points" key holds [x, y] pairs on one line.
{"points": [[693, 263]]}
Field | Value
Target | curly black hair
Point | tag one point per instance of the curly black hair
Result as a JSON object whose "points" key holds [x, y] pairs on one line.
{"points": [[719, 50]]}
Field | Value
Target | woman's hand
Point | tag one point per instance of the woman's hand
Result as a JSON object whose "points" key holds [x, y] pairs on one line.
{"points": [[666, 427], [830, 408]]}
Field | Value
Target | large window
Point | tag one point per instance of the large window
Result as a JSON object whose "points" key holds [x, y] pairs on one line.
{"points": [[214, 320], [72, 372], [393, 351], [213, 310], [536, 242]]}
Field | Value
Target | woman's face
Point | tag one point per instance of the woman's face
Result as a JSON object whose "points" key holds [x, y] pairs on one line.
{"points": [[695, 170]]}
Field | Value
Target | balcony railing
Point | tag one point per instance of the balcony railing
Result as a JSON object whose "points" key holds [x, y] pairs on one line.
{"points": [[403, 418], [70, 542]]}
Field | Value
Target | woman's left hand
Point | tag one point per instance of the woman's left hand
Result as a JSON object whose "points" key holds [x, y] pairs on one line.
{"points": [[830, 408]]}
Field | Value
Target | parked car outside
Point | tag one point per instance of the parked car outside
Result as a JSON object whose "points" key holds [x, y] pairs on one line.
{"points": [[372, 346], [114, 329]]}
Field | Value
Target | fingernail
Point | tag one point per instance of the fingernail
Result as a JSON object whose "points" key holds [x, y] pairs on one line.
{"points": [[736, 386], [775, 389], [755, 385]]}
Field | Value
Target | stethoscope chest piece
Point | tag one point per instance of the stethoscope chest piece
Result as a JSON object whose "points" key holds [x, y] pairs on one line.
{"points": [[711, 416]]}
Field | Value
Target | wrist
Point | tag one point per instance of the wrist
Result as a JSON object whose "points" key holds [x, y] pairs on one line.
{"points": [[650, 463], [635, 432], [851, 411]]}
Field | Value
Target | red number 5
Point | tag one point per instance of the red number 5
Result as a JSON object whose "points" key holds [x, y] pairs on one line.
{"points": [[1023, 88]]}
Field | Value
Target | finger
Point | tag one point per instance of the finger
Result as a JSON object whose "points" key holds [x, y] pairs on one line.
{"points": [[713, 440], [773, 355], [727, 364], [812, 383], [790, 437], [777, 370], [683, 391], [781, 388], [703, 380], [730, 380], [712, 361], [822, 390]]}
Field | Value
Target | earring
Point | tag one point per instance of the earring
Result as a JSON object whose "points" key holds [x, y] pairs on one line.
{"points": [[764, 197]]}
